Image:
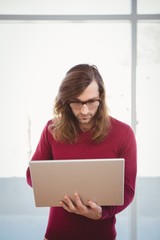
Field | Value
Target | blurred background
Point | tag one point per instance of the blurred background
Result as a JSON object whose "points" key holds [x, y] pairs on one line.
{"points": [[39, 41]]}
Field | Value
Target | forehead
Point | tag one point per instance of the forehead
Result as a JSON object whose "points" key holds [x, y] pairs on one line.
{"points": [[92, 91]]}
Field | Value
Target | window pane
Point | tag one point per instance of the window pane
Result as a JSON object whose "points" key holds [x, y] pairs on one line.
{"points": [[148, 6], [34, 58], [65, 7], [148, 98]]}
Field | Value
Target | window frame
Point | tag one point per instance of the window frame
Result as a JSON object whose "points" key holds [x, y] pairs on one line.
{"points": [[133, 18]]}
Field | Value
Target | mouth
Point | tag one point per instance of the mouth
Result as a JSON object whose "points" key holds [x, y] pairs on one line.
{"points": [[84, 119]]}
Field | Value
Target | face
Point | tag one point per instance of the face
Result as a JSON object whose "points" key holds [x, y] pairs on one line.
{"points": [[85, 106]]}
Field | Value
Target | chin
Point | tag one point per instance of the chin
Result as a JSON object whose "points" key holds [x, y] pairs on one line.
{"points": [[85, 121]]}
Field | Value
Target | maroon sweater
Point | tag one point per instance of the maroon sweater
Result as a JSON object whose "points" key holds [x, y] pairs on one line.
{"points": [[120, 143]]}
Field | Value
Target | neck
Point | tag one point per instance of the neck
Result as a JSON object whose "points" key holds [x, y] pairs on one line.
{"points": [[85, 127]]}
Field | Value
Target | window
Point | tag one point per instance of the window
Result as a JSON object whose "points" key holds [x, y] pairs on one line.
{"points": [[62, 7], [148, 113], [40, 42], [43, 53], [148, 6]]}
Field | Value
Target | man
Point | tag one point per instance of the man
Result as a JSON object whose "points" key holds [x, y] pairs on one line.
{"points": [[83, 129]]}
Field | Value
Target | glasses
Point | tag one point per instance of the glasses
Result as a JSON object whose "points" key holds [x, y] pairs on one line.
{"points": [[91, 104]]}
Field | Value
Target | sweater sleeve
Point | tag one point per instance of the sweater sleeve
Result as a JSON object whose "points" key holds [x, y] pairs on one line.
{"points": [[43, 150], [127, 149]]}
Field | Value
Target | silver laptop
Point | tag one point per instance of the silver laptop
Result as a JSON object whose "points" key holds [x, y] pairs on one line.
{"points": [[99, 180]]}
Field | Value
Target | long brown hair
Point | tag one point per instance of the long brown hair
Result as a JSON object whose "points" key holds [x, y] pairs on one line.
{"points": [[65, 126]]}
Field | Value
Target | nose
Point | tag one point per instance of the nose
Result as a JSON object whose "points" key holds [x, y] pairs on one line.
{"points": [[84, 109]]}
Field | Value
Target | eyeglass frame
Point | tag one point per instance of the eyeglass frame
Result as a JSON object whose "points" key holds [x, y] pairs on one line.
{"points": [[84, 102]]}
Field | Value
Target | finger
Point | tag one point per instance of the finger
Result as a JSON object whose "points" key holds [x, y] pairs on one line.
{"points": [[93, 205], [79, 204], [69, 204], [65, 206], [78, 200], [62, 204]]}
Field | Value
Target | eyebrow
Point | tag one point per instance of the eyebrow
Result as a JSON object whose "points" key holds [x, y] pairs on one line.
{"points": [[90, 99]]}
